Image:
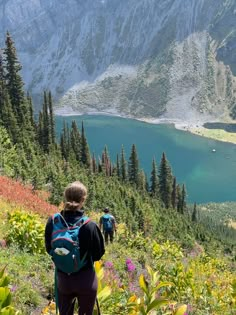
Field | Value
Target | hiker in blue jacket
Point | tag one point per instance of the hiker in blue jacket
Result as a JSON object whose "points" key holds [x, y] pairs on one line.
{"points": [[81, 284], [108, 224]]}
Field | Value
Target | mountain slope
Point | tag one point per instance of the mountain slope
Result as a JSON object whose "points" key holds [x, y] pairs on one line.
{"points": [[139, 58]]}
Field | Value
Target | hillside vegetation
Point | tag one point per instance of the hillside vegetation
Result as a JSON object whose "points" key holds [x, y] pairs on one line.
{"points": [[181, 275], [164, 260], [223, 212]]}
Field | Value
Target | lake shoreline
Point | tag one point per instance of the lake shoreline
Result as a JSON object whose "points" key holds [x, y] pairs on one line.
{"points": [[193, 127]]}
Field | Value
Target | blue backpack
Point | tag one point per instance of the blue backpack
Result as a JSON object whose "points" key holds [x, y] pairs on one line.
{"points": [[107, 223], [65, 244]]}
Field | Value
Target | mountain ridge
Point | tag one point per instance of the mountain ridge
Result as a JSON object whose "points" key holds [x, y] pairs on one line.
{"points": [[142, 59]]}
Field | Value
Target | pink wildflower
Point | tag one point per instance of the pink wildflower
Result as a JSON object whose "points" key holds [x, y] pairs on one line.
{"points": [[130, 266], [108, 265]]}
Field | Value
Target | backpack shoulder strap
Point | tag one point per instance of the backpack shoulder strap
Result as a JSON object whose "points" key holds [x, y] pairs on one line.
{"points": [[57, 219], [82, 221]]}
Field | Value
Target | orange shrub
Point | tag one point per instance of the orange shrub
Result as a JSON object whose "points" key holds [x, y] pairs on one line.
{"points": [[16, 193]]}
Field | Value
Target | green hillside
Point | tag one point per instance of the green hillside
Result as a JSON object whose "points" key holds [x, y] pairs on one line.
{"points": [[164, 260]]}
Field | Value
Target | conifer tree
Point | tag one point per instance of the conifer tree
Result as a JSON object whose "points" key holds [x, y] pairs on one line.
{"points": [[13, 78], [40, 129], [132, 205], [174, 194], [46, 126], [94, 164], [51, 118], [65, 142], [179, 198], [111, 168], [195, 214], [85, 154], [118, 166], [165, 181], [100, 169], [147, 183], [31, 111], [154, 185], [139, 218], [133, 166], [141, 181], [75, 140], [106, 163], [14, 85], [7, 117], [183, 201], [123, 165]]}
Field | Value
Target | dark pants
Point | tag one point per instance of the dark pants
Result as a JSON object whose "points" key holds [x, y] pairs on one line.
{"points": [[108, 235], [81, 286]]}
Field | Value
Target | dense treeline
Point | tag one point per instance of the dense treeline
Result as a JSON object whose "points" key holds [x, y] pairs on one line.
{"points": [[29, 151]]}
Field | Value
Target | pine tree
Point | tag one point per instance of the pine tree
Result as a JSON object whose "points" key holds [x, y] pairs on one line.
{"points": [[123, 166], [51, 119], [132, 205], [174, 194], [100, 169], [85, 154], [65, 141], [147, 183], [183, 202], [7, 117], [154, 185], [195, 214], [14, 83], [40, 129], [141, 181], [13, 78], [75, 140], [133, 166], [106, 163], [31, 111], [111, 168], [165, 181], [179, 198], [46, 127], [94, 164], [118, 166]]}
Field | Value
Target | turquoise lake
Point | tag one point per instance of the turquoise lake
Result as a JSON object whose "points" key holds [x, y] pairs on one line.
{"points": [[209, 176]]}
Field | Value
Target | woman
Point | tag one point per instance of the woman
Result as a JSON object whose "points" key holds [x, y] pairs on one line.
{"points": [[83, 283]]}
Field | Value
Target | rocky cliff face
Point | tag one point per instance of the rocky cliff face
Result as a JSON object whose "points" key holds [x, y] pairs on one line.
{"points": [[140, 58]]}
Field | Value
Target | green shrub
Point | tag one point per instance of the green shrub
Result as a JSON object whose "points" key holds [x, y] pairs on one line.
{"points": [[27, 231]]}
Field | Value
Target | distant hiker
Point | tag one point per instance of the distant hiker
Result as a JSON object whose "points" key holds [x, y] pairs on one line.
{"points": [[74, 242], [108, 224]]}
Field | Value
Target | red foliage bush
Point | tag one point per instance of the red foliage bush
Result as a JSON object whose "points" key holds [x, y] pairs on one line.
{"points": [[15, 192]]}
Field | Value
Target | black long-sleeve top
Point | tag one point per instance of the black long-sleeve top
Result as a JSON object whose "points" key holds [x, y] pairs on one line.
{"points": [[90, 237]]}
